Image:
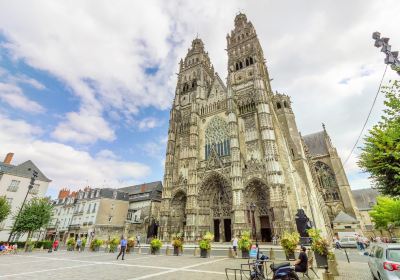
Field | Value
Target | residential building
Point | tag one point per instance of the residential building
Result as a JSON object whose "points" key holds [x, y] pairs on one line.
{"points": [[89, 212], [144, 209], [14, 182]]}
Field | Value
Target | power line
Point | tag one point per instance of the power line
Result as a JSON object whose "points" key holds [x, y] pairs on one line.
{"points": [[366, 120]]}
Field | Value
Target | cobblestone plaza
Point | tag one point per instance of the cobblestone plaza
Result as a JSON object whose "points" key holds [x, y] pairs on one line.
{"points": [[100, 265]]}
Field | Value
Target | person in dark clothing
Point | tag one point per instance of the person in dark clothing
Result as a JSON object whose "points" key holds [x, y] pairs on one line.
{"points": [[302, 262], [123, 244]]}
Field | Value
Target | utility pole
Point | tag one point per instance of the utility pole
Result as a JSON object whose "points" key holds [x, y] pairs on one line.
{"points": [[31, 185], [391, 57]]}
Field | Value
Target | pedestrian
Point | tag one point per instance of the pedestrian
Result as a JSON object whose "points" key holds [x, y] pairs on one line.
{"points": [[337, 243], [274, 240], [123, 244], [235, 245], [55, 245], [138, 240], [79, 244]]}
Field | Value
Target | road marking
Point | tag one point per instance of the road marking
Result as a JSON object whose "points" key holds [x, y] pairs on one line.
{"points": [[176, 269], [45, 270], [21, 262]]}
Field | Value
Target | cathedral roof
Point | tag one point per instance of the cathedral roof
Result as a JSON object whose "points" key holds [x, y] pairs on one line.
{"points": [[365, 198], [316, 143], [344, 218]]}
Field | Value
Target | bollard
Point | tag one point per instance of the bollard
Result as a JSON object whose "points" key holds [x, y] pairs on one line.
{"points": [[271, 254], [196, 251], [139, 250], [230, 253], [333, 268], [167, 251], [327, 275]]}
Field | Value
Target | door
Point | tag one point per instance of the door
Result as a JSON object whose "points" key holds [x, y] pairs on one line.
{"points": [[266, 235], [266, 232], [216, 230], [227, 230]]}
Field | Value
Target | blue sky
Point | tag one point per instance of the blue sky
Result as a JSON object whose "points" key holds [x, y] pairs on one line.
{"points": [[86, 87]]}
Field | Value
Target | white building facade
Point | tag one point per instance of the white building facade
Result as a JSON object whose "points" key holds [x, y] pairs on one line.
{"points": [[14, 182]]}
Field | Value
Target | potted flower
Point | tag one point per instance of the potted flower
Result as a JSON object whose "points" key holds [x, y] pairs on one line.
{"points": [[244, 244], [113, 244], [95, 244], [155, 246], [289, 242], [84, 241], [205, 245], [130, 245], [71, 244], [177, 243], [320, 247]]}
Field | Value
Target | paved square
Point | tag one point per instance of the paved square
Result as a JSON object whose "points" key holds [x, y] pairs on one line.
{"points": [[89, 265]]}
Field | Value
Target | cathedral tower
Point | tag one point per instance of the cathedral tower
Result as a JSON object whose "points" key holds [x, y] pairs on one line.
{"points": [[234, 160]]}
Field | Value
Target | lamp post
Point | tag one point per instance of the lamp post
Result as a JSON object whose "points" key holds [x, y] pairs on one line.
{"points": [[391, 57], [253, 220], [31, 185]]}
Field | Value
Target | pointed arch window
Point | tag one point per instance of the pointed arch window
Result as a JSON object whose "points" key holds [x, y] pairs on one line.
{"points": [[217, 138]]}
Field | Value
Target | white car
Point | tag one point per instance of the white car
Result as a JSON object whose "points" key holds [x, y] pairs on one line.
{"points": [[348, 242], [384, 261]]}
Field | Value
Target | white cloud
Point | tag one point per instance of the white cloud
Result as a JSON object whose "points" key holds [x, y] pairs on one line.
{"points": [[83, 128], [14, 97], [149, 123], [67, 166]]}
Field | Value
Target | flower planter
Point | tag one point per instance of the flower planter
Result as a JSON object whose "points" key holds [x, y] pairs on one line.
{"points": [[155, 251], [245, 254], [176, 251], [290, 256], [204, 253], [321, 260], [70, 248]]}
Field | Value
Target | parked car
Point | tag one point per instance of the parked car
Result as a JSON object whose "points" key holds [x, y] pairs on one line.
{"points": [[384, 261], [348, 242]]}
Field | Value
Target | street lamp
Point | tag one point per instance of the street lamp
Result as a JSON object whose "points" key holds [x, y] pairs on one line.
{"points": [[30, 187], [391, 57], [253, 220]]}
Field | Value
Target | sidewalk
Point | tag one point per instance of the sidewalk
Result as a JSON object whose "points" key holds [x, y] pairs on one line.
{"points": [[353, 271]]}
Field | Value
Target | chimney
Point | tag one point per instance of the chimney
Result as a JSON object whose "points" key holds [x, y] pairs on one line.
{"points": [[63, 193], [8, 158]]}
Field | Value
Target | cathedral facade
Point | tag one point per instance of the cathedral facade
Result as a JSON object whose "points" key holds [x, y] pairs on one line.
{"points": [[235, 159]]}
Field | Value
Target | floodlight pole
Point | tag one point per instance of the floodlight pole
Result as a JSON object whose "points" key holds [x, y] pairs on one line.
{"points": [[391, 57]]}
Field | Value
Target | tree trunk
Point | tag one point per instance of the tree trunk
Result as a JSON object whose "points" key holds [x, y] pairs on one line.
{"points": [[27, 241]]}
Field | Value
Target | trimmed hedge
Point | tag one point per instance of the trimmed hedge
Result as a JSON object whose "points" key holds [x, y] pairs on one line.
{"points": [[38, 244]]}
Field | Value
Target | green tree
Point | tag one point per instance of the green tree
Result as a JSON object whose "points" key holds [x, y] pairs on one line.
{"points": [[386, 213], [381, 152], [5, 208], [33, 216]]}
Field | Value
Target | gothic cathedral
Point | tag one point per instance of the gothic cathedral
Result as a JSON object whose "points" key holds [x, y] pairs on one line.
{"points": [[235, 159]]}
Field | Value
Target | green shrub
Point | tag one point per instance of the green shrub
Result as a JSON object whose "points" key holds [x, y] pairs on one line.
{"points": [[156, 244], [84, 241], [113, 244], [205, 242], [289, 242], [96, 243], [245, 241]]}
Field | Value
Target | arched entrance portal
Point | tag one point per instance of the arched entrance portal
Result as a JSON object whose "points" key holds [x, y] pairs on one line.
{"points": [[215, 207], [178, 213], [258, 211]]}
